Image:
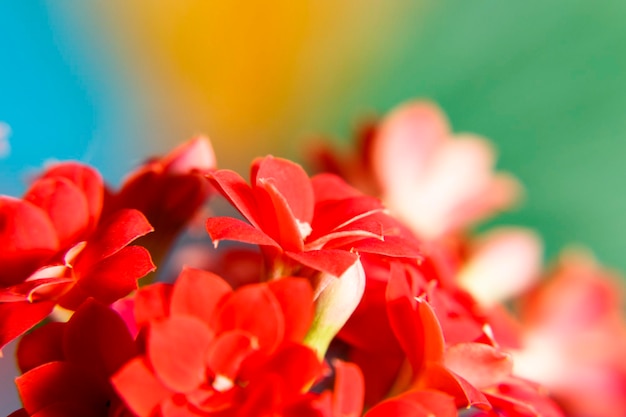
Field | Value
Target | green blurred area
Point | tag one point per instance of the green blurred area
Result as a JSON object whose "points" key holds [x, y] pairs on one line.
{"points": [[546, 82]]}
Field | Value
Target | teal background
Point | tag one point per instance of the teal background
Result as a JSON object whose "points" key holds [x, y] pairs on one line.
{"points": [[545, 81]]}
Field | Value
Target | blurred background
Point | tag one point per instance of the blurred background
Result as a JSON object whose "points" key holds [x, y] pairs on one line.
{"points": [[110, 83]]}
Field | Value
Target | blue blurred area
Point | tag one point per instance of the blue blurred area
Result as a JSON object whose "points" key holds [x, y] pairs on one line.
{"points": [[42, 99], [58, 94]]}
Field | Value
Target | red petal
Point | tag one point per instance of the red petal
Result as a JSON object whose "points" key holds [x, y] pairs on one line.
{"points": [[227, 352], [152, 302], [177, 349], [349, 390], [96, 338], [196, 293], [414, 322], [465, 394], [332, 261], [479, 364], [17, 318], [295, 297], [279, 221], [139, 388], [27, 290], [62, 382], [291, 182], [229, 228], [27, 238], [42, 345], [253, 308], [332, 187], [333, 214], [416, 403], [116, 276], [65, 205], [399, 407], [85, 178], [116, 232], [393, 246], [238, 192]]}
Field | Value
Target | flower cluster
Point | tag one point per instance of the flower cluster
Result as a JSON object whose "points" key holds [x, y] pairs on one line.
{"points": [[358, 291]]}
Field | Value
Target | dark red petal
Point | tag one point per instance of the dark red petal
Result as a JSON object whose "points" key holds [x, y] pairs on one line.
{"points": [[152, 302], [414, 322], [253, 308], [62, 382], [349, 390], [229, 228], [196, 293], [19, 413], [65, 205], [291, 182], [85, 178], [176, 349], [27, 238], [42, 345], [227, 351], [96, 338], [69, 409], [116, 276], [140, 389], [116, 232], [334, 262], [238, 192], [17, 318], [295, 297]]}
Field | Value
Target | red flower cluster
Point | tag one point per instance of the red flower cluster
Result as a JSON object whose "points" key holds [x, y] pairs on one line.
{"points": [[344, 300]]}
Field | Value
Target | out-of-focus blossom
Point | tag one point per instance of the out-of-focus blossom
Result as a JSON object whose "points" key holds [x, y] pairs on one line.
{"points": [[502, 263], [575, 337], [435, 181]]}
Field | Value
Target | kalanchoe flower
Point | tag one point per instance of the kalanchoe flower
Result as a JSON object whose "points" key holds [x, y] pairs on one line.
{"points": [[169, 191], [59, 249], [435, 181], [574, 337], [67, 366], [209, 348], [319, 223]]}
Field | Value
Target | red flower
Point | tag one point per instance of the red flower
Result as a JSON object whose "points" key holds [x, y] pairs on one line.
{"points": [[209, 348], [57, 249], [169, 191], [319, 222], [67, 365]]}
